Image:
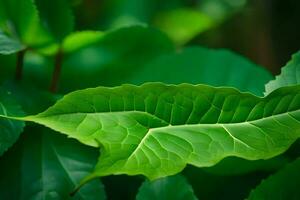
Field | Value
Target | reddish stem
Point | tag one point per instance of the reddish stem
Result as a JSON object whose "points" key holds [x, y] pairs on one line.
{"points": [[19, 65], [57, 71]]}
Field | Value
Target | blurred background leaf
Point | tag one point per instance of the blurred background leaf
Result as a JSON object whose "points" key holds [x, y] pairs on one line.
{"points": [[45, 165], [57, 17], [282, 185], [20, 20], [172, 187]]}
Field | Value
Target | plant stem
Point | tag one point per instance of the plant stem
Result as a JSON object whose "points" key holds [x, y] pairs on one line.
{"points": [[57, 71], [19, 65]]}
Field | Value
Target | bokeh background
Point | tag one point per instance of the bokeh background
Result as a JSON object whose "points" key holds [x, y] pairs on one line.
{"points": [[266, 31]]}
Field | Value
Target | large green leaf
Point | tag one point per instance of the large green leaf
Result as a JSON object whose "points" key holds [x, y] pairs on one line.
{"points": [[201, 65], [290, 75], [9, 130], [173, 187], [282, 185], [21, 20], [9, 45], [57, 17], [157, 129], [45, 165]]}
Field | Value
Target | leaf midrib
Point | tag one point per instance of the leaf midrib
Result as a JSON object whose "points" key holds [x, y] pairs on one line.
{"points": [[36, 118]]}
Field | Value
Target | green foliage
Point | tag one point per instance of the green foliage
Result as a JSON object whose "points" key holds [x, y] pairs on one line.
{"points": [[182, 25], [20, 19], [57, 17], [8, 45], [182, 67], [45, 165], [156, 129], [9, 130], [180, 107], [164, 189], [282, 185], [290, 75]]}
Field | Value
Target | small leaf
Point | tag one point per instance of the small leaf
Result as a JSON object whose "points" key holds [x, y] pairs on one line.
{"points": [[20, 19], [74, 42], [9, 45], [10, 130], [183, 25], [173, 187], [282, 185], [115, 57], [45, 165], [57, 16], [290, 75], [157, 129]]}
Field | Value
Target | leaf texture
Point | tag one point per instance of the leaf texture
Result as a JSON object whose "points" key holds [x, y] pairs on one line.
{"points": [[290, 75], [157, 129]]}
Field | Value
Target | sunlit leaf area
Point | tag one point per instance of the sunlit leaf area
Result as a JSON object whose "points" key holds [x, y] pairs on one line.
{"points": [[149, 100]]}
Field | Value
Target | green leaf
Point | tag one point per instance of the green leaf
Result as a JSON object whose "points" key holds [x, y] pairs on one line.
{"points": [[173, 187], [182, 24], [57, 17], [282, 185], [10, 130], [157, 129], [290, 75], [199, 65], [9, 45], [227, 166], [117, 55], [20, 19], [45, 165], [74, 42]]}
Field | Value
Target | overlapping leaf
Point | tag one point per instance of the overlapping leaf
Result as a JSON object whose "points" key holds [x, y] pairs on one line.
{"points": [[9, 45], [57, 17], [10, 130], [282, 185], [290, 75], [20, 19], [216, 67], [173, 187], [157, 129], [45, 165]]}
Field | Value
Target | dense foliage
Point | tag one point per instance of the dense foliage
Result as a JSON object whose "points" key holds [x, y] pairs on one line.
{"points": [[171, 120]]}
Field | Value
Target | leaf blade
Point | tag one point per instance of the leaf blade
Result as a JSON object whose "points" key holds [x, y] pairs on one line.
{"points": [[142, 133], [290, 75]]}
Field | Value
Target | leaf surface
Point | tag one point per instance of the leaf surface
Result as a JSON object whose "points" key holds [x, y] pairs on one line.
{"points": [[9, 45], [282, 185], [290, 75], [10, 130], [172, 187], [157, 129], [45, 165]]}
